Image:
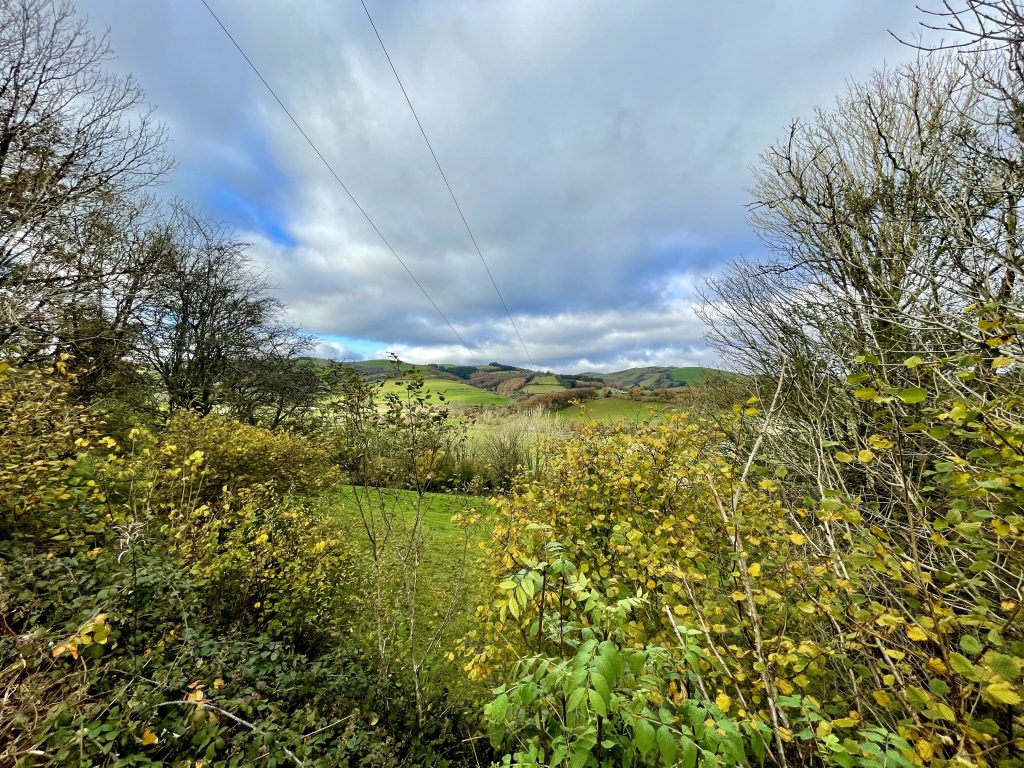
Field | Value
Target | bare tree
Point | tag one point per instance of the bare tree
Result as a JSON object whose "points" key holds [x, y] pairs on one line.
{"points": [[69, 129], [207, 312], [892, 225], [77, 143]]}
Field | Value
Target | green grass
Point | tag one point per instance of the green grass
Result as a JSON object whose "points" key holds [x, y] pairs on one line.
{"points": [[541, 384], [540, 389], [612, 409], [694, 376], [455, 392], [445, 546]]}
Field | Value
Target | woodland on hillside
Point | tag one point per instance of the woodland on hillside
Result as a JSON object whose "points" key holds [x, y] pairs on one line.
{"points": [[214, 553]]}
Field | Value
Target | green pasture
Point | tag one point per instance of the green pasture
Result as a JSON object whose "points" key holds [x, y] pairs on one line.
{"points": [[454, 392], [612, 409], [540, 384]]}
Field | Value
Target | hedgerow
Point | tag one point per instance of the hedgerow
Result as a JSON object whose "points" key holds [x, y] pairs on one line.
{"points": [[827, 628]]}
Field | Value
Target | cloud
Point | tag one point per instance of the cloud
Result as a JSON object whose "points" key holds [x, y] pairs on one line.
{"points": [[335, 350], [600, 152]]}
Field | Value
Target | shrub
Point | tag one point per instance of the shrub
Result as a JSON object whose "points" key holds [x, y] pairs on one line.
{"points": [[516, 444], [46, 490], [237, 455], [854, 630]]}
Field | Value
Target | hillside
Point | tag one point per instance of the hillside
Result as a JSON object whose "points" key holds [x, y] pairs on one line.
{"points": [[662, 377], [509, 380]]}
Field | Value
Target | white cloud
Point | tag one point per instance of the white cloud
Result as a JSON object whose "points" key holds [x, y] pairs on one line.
{"points": [[599, 150]]}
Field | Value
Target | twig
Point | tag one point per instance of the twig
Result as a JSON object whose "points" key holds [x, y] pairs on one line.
{"points": [[252, 727]]}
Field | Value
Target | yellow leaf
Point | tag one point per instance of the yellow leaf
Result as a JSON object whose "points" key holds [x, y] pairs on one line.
{"points": [[798, 538], [844, 457], [924, 750], [880, 442], [865, 456], [723, 701], [917, 634], [1004, 693], [754, 570], [149, 737]]}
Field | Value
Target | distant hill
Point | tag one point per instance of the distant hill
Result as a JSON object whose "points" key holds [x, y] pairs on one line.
{"points": [[662, 377], [509, 380]]}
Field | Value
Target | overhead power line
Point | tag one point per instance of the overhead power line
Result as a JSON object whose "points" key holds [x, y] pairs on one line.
{"points": [[337, 178], [451, 192]]}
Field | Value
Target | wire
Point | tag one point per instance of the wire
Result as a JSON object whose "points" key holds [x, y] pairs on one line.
{"points": [[340, 182], [449, 186]]}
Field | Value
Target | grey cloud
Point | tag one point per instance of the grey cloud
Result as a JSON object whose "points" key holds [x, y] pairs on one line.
{"points": [[600, 151]]}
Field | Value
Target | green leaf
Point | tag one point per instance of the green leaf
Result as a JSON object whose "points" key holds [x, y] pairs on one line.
{"points": [[970, 645], [575, 698], [913, 395], [579, 758], [643, 736], [498, 708], [666, 746], [597, 702], [865, 393], [913, 361], [689, 756], [600, 684], [962, 665], [1003, 693], [1005, 666], [528, 587]]}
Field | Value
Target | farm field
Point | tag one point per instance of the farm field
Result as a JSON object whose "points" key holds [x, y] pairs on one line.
{"points": [[694, 376], [541, 384], [455, 392], [612, 409]]}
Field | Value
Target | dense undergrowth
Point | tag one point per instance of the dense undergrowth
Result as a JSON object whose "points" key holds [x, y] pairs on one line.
{"points": [[671, 594], [181, 597]]}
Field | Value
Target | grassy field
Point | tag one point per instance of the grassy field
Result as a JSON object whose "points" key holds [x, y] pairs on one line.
{"points": [[540, 384], [696, 376], [612, 409], [455, 392]]}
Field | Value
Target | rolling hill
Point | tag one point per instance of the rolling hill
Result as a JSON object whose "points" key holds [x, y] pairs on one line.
{"points": [[495, 378]]}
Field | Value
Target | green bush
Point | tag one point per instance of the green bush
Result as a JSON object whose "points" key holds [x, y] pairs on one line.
{"points": [[853, 629]]}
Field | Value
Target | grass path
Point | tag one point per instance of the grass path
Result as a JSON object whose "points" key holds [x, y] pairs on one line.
{"points": [[445, 547]]}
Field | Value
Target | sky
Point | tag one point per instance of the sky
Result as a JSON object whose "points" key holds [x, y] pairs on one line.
{"points": [[601, 152]]}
